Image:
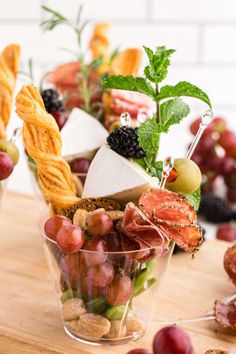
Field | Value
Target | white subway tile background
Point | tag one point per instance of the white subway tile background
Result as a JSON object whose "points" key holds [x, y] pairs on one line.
{"points": [[203, 32]]}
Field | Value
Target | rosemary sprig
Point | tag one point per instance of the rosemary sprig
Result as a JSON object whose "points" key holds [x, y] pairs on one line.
{"points": [[77, 27]]}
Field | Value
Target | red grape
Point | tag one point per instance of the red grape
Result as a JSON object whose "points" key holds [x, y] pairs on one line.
{"points": [[231, 195], [99, 223], [72, 269], [227, 140], [206, 143], [101, 275], [119, 291], [53, 225], [230, 179], [172, 340], [70, 238], [197, 158], [98, 247], [226, 232], [227, 165], [139, 351], [80, 165], [218, 124], [91, 290], [6, 165], [195, 125], [60, 118]]}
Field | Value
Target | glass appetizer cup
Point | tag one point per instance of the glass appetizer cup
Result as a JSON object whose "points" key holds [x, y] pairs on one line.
{"points": [[105, 298]]}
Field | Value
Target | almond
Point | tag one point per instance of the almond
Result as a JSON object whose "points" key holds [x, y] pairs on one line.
{"points": [[117, 330], [115, 214], [80, 217], [72, 309], [93, 327], [134, 324]]}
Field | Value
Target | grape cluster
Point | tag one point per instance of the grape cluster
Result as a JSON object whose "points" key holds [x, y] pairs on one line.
{"points": [[215, 155], [86, 264]]}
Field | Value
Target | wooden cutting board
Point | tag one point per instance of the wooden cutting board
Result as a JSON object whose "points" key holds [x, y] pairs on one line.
{"points": [[29, 319]]}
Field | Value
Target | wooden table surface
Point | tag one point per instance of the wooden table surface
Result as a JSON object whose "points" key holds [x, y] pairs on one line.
{"points": [[29, 318]]}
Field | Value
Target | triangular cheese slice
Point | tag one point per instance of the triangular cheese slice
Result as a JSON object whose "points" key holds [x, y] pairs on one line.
{"points": [[111, 175], [81, 134]]}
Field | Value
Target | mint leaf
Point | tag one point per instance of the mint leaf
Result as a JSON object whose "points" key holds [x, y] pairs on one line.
{"points": [[129, 83], [148, 136], [156, 169], [159, 62], [183, 88], [194, 198], [172, 112]]}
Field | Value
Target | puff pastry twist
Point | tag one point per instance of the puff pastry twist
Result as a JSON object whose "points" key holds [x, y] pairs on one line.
{"points": [[9, 66], [43, 143]]}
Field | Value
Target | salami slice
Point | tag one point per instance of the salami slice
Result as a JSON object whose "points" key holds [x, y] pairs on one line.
{"points": [[225, 314], [174, 216], [230, 263], [154, 199]]}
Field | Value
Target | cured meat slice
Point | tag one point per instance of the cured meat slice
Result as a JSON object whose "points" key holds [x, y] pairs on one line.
{"points": [[142, 234], [154, 199], [230, 263], [225, 314], [174, 216], [187, 237]]}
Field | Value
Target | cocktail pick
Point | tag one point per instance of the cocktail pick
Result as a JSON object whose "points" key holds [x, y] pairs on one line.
{"points": [[125, 119], [206, 119], [211, 315], [168, 164]]}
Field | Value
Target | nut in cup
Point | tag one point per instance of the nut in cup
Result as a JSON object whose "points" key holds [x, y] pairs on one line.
{"points": [[105, 298]]}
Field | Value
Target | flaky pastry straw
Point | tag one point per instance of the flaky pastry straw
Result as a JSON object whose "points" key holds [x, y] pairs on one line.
{"points": [[43, 143], [9, 66]]}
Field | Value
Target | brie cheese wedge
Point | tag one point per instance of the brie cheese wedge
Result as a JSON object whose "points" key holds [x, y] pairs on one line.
{"points": [[111, 175], [81, 134]]}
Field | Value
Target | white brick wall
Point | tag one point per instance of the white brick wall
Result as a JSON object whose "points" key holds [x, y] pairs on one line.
{"points": [[203, 32]]}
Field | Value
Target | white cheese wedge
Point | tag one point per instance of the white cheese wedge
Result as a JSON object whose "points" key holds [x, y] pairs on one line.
{"points": [[81, 134], [111, 175]]}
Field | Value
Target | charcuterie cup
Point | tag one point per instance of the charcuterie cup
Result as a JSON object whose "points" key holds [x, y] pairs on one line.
{"points": [[105, 298]]}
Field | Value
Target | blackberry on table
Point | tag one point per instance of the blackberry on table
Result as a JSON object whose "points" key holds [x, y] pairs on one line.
{"points": [[52, 101], [216, 209], [124, 140]]}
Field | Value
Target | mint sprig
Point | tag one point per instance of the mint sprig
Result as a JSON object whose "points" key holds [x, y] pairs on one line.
{"points": [[169, 112]]}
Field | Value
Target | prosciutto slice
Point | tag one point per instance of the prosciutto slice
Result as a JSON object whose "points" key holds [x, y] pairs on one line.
{"points": [[141, 234]]}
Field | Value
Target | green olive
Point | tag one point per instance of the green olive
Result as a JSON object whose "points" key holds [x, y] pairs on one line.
{"points": [[188, 177]]}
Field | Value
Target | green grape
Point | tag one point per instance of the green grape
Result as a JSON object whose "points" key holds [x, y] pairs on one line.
{"points": [[115, 312]]}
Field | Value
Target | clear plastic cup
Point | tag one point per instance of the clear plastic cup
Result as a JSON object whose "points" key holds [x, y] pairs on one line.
{"points": [[105, 298]]}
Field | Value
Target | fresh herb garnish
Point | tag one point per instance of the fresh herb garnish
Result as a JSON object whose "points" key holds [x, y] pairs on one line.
{"points": [[194, 198], [169, 112], [86, 90]]}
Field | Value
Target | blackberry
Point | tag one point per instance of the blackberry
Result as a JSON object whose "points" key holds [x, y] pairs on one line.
{"points": [[124, 140], [52, 101], [216, 209]]}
